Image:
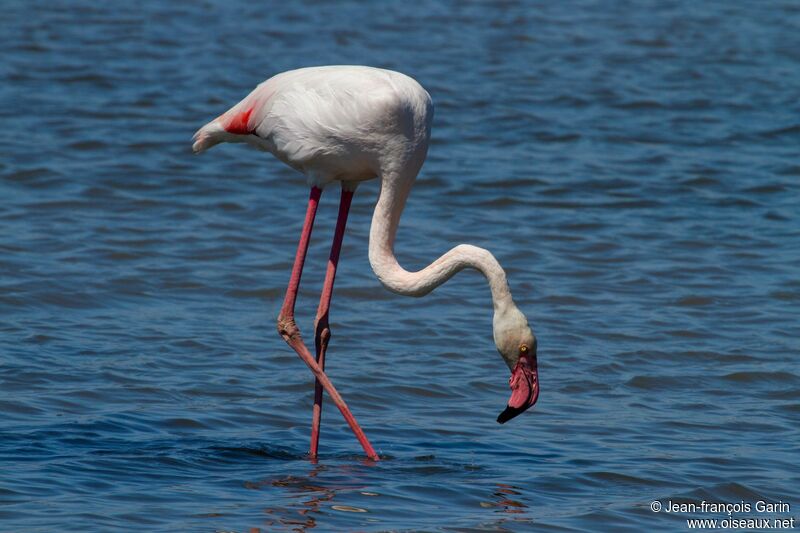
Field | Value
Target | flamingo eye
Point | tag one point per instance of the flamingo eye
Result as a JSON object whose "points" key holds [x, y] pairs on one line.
{"points": [[523, 349]]}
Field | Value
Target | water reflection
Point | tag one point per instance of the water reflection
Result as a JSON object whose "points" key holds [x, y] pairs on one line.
{"points": [[507, 500], [309, 498]]}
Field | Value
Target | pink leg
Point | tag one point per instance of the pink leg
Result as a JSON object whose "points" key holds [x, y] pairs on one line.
{"points": [[291, 333], [321, 325]]}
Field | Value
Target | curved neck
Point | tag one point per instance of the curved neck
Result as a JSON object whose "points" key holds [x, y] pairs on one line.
{"points": [[385, 220]]}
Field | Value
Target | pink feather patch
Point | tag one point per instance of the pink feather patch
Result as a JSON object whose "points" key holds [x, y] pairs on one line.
{"points": [[238, 124]]}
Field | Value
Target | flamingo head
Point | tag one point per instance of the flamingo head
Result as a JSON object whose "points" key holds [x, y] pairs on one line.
{"points": [[517, 345]]}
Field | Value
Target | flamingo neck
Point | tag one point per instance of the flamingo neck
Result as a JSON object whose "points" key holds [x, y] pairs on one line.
{"points": [[394, 277]]}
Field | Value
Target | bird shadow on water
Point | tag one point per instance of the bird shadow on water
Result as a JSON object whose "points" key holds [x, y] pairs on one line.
{"points": [[235, 453]]}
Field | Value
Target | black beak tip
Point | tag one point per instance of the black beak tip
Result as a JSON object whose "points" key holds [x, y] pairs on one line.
{"points": [[508, 414]]}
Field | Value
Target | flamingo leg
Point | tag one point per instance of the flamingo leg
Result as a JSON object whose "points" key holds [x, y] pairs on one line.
{"points": [[291, 333], [321, 325]]}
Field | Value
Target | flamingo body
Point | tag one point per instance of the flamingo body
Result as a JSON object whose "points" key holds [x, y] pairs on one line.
{"points": [[350, 124], [336, 123]]}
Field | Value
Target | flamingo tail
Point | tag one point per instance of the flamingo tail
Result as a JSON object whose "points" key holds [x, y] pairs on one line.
{"points": [[207, 136]]}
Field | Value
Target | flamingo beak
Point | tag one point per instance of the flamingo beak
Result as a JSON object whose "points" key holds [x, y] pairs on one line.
{"points": [[524, 385]]}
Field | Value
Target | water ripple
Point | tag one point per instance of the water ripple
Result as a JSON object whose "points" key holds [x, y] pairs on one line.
{"points": [[632, 166]]}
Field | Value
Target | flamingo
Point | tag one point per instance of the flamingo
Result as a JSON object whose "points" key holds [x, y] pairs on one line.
{"points": [[349, 124]]}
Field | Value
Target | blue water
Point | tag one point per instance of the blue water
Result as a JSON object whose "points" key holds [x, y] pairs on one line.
{"points": [[634, 166]]}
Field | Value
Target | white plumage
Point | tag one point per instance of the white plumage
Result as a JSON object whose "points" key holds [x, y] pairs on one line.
{"points": [[350, 124], [331, 123]]}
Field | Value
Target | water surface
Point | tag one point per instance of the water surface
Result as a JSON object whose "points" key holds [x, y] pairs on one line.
{"points": [[634, 166]]}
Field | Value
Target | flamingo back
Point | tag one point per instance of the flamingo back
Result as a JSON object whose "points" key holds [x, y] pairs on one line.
{"points": [[341, 122]]}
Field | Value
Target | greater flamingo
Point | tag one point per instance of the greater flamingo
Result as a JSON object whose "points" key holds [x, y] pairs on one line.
{"points": [[350, 124]]}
